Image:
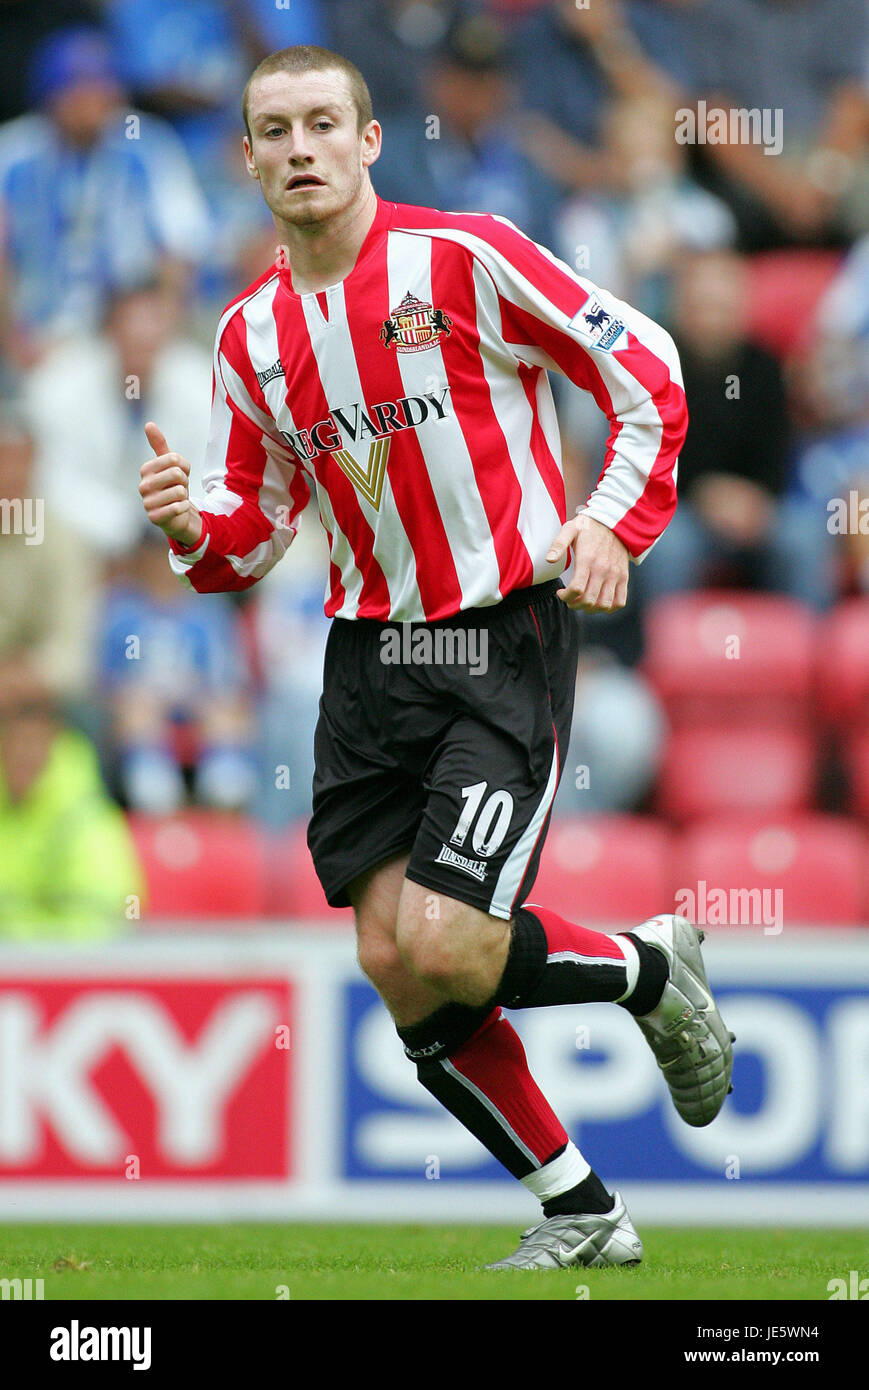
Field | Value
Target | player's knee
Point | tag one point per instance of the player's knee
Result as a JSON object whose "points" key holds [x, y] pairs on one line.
{"points": [[431, 950], [379, 957]]}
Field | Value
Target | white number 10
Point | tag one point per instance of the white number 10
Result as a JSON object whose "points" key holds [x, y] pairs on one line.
{"points": [[486, 839]]}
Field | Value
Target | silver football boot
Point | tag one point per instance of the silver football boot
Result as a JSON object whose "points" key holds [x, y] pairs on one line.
{"points": [[563, 1241], [685, 1031]]}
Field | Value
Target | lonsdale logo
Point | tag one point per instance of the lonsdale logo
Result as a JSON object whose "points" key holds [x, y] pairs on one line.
{"points": [[357, 423]]}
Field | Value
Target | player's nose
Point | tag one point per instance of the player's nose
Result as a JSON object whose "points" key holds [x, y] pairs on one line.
{"points": [[299, 151]]}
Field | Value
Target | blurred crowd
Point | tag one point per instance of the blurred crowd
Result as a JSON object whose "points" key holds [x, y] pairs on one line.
{"points": [[128, 221]]}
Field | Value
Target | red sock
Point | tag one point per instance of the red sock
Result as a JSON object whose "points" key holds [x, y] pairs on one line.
{"points": [[486, 1084]]}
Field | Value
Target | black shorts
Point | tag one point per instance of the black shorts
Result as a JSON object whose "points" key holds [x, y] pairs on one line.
{"points": [[445, 739]]}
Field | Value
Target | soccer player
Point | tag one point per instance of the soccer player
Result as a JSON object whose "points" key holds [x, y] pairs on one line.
{"points": [[392, 366]]}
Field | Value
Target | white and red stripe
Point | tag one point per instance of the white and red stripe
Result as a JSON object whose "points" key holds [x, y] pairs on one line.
{"points": [[492, 1069], [473, 493], [570, 945]]}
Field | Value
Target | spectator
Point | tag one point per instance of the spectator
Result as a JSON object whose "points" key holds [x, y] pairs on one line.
{"points": [[574, 62], [188, 60], [291, 631], [394, 43], [173, 667], [92, 196], [630, 235], [23, 27], [844, 309], [184, 61], [88, 402], [830, 469], [512, 11], [244, 241], [803, 63], [266, 26], [68, 869], [616, 740], [466, 154], [48, 583], [732, 468]]}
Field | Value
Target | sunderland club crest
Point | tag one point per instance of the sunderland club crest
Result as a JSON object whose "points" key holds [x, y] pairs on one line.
{"points": [[415, 326]]}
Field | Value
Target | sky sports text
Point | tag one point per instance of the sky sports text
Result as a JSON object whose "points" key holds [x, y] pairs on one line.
{"points": [[800, 1075], [77, 1343], [205, 1054]]}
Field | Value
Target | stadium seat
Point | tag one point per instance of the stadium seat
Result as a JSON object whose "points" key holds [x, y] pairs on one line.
{"points": [[784, 291], [857, 758], [201, 865], [605, 869], [742, 658], [818, 862], [705, 771], [843, 664], [293, 887]]}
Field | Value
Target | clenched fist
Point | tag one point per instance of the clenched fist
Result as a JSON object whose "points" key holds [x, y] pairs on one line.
{"points": [[164, 491]]}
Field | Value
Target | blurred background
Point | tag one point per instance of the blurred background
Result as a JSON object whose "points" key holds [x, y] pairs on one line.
{"points": [[155, 745]]}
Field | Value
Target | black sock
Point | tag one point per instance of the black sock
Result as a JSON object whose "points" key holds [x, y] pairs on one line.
{"points": [[654, 974], [589, 1197], [537, 974]]}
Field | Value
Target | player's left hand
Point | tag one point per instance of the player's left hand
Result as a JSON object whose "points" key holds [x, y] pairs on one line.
{"points": [[600, 573]]}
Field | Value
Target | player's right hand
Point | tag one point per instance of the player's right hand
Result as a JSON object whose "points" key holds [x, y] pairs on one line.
{"points": [[165, 491]]}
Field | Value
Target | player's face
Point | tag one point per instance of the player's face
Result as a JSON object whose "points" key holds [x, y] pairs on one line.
{"points": [[305, 146]]}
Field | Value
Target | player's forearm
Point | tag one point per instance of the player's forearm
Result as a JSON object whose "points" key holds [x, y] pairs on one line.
{"points": [[561, 156], [630, 72], [846, 128], [638, 520], [635, 494]]}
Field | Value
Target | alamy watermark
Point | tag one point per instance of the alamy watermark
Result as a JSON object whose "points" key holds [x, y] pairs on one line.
{"points": [[736, 125], [853, 1288], [24, 1289], [77, 1343], [23, 516], [848, 516], [734, 907], [413, 644]]}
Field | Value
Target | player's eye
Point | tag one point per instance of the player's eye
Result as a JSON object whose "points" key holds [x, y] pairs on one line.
{"points": [[323, 125], [275, 130]]}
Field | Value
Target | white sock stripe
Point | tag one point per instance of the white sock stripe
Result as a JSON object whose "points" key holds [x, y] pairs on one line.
{"points": [[492, 1109], [632, 964], [559, 1175], [557, 957]]}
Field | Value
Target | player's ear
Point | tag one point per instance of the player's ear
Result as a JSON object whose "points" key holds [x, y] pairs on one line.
{"points": [[249, 159], [372, 138]]}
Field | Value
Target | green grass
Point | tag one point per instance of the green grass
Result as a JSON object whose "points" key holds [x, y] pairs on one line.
{"points": [[410, 1262]]}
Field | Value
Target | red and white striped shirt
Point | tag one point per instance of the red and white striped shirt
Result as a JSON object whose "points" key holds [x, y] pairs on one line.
{"points": [[412, 401]]}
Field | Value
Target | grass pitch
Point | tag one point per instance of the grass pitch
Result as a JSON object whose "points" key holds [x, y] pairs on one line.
{"points": [[341, 1262]]}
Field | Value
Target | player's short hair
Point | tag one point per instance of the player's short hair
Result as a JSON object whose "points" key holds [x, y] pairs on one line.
{"points": [[307, 57]]}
